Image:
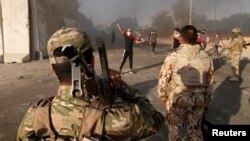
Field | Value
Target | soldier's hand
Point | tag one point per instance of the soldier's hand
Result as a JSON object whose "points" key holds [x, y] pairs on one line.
{"points": [[116, 78]]}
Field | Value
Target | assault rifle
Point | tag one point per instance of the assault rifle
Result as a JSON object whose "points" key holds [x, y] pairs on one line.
{"points": [[105, 68], [121, 89], [246, 44]]}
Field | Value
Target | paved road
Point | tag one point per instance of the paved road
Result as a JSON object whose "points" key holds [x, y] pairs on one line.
{"points": [[23, 84]]}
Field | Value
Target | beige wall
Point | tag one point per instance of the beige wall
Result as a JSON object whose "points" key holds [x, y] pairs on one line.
{"points": [[16, 37], [1, 37], [28, 24]]}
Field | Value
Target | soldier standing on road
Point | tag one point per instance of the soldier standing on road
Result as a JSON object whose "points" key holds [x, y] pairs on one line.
{"points": [[235, 48], [152, 40], [129, 39], [184, 86], [87, 107]]}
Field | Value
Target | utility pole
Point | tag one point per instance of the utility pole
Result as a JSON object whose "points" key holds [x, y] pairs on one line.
{"points": [[190, 11], [215, 10], [135, 12], [1, 37], [215, 16]]}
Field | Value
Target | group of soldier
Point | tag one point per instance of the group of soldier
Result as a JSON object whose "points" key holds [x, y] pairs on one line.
{"points": [[91, 107]]}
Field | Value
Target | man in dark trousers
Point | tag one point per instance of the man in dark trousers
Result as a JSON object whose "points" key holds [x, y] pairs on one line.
{"points": [[129, 39], [152, 40], [113, 36]]}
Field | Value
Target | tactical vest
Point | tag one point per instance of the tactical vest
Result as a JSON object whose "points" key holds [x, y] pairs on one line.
{"points": [[191, 67], [238, 45], [39, 123], [68, 119]]}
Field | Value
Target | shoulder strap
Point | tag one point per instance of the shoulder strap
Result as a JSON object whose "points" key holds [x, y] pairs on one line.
{"points": [[43, 119], [92, 123], [44, 101]]}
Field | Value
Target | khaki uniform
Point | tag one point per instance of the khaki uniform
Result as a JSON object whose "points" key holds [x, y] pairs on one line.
{"points": [[184, 81], [235, 48]]}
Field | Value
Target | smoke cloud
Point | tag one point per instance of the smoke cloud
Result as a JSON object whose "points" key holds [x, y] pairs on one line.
{"points": [[105, 12]]}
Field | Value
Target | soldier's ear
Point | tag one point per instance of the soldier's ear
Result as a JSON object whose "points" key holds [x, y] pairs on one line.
{"points": [[181, 40]]}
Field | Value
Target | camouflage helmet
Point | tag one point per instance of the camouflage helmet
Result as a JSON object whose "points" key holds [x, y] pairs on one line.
{"points": [[65, 37], [236, 30]]}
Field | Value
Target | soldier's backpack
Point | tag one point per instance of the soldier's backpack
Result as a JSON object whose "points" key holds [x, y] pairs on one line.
{"points": [[191, 67]]}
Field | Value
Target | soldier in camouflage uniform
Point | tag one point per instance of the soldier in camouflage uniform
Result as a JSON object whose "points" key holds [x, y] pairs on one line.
{"points": [[235, 48], [92, 115], [184, 86]]}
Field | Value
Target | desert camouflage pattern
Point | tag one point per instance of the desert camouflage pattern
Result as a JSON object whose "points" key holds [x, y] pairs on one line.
{"points": [[236, 44], [138, 118], [186, 97], [132, 118], [67, 112], [235, 62], [235, 48], [64, 37], [190, 69], [70, 118], [36, 122]]}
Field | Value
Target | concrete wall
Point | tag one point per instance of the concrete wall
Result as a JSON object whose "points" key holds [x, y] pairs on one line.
{"points": [[16, 35], [45, 25], [28, 24], [1, 36], [46, 17]]}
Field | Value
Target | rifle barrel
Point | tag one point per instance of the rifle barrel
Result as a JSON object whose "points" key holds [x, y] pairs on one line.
{"points": [[103, 56]]}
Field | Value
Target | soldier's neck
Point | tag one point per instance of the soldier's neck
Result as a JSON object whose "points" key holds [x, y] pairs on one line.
{"points": [[65, 83]]}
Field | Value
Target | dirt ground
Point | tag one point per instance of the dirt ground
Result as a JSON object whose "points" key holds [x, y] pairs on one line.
{"points": [[23, 84]]}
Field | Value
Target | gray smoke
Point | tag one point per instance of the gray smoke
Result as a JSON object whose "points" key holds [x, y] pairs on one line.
{"points": [[104, 12], [96, 16]]}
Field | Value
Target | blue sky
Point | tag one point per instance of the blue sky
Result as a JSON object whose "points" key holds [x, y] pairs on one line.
{"points": [[103, 12]]}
